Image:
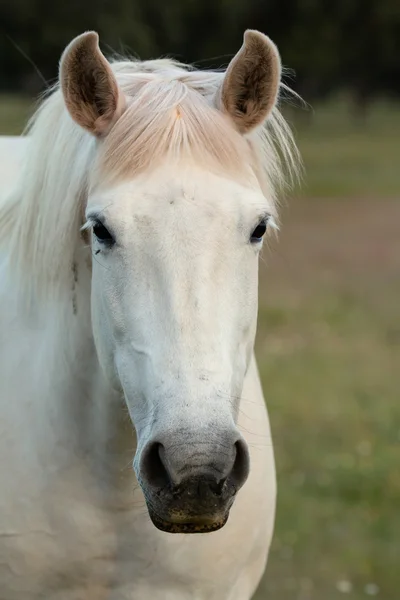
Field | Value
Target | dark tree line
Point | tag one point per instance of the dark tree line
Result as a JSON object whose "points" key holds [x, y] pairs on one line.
{"points": [[330, 44]]}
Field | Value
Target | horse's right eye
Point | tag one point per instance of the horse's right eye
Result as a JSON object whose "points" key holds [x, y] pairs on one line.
{"points": [[102, 234]]}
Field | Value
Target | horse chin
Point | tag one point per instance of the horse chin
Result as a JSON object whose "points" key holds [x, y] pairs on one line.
{"points": [[198, 525]]}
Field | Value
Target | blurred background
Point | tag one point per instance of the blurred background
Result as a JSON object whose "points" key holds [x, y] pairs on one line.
{"points": [[329, 331]]}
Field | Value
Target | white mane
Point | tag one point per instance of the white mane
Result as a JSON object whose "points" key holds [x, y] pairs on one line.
{"points": [[169, 114]]}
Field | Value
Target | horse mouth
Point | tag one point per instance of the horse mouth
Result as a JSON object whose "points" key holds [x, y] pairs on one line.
{"points": [[198, 525]]}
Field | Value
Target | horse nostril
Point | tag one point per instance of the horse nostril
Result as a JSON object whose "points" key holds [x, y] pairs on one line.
{"points": [[200, 474], [153, 466], [240, 469]]}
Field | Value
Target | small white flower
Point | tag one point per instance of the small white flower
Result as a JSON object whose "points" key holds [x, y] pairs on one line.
{"points": [[344, 586], [371, 589]]}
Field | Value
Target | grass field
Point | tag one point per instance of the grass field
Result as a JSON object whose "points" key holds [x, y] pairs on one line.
{"points": [[329, 354], [345, 157]]}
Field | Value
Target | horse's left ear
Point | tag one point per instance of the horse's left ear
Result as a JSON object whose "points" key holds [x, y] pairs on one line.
{"points": [[89, 87], [251, 83]]}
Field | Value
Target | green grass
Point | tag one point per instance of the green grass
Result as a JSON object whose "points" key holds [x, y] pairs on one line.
{"points": [[344, 156], [14, 113], [333, 395], [329, 353]]}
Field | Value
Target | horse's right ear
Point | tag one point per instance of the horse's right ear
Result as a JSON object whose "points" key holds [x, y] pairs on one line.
{"points": [[89, 87]]}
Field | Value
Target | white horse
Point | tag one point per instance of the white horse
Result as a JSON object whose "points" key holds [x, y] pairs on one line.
{"points": [[128, 303]]}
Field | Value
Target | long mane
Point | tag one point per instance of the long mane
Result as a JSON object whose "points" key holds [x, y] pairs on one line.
{"points": [[169, 115]]}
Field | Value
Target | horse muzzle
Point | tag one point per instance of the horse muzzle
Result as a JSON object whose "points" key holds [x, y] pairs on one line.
{"points": [[190, 487], [197, 505]]}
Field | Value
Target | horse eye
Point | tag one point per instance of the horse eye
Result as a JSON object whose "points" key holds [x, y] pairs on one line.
{"points": [[102, 234], [258, 233]]}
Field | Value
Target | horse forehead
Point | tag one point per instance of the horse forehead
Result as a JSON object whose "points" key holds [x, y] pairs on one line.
{"points": [[192, 191]]}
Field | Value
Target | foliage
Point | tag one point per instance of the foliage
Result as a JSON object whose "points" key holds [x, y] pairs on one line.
{"points": [[345, 43]]}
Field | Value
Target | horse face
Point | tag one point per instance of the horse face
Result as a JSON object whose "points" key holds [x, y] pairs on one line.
{"points": [[174, 290], [174, 304]]}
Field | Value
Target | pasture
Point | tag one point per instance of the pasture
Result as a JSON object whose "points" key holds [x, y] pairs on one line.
{"points": [[328, 348]]}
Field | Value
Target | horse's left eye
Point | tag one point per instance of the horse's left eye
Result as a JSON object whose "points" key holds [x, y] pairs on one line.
{"points": [[259, 232], [102, 234]]}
